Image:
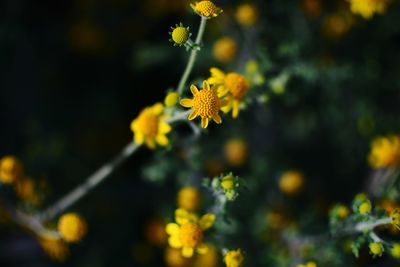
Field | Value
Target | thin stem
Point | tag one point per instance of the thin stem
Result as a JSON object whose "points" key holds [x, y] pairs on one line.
{"points": [[192, 57], [362, 226], [90, 183]]}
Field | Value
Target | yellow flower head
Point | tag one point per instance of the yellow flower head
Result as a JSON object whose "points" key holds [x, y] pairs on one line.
{"points": [[225, 49], [72, 227], [236, 151], [189, 198], [228, 182], [171, 99], [10, 169], [291, 182], [234, 258], [55, 248], [395, 251], [385, 152], [395, 216], [206, 9], [376, 248], [180, 34], [368, 8], [342, 211], [308, 264], [246, 14], [187, 232], [233, 85], [205, 103], [365, 207], [150, 128]]}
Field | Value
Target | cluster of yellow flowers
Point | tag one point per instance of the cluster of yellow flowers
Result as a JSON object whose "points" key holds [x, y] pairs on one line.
{"points": [[368, 8], [385, 152]]}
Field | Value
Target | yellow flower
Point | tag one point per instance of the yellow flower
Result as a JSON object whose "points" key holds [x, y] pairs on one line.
{"points": [[228, 182], [187, 232], [225, 49], [188, 198], [180, 34], [236, 151], [233, 85], [10, 169], [246, 14], [234, 258], [149, 127], [365, 207], [308, 264], [342, 211], [367, 8], [205, 103], [376, 248], [395, 216], [206, 9], [171, 99], [55, 248], [395, 251], [385, 152], [291, 182], [72, 227]]}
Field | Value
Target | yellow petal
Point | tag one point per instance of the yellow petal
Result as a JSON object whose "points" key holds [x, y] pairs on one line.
{"points": [[172, 229], [217, 73], [164, 127], [204, 122], [206, 85], [133, 125], [194, 89], [187, 252], [202, 249], [193, 115], [206, 221], [217, 118], [162, 140], [213, 80], [235, 109], [181, 216], [157, 108], [222, 91], [187, 103], [174, 241], [150, 143], [139, 138]]}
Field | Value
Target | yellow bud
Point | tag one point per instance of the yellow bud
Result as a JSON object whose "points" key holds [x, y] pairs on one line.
{"points": [[228, 182], [171, 99]]}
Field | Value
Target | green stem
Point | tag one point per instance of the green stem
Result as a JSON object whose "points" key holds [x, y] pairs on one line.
{"points": [[192, 57]]}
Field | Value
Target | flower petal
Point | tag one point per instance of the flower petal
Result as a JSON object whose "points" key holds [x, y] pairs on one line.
{"points": [[162, 140], [134, 125], [139, 138], [164, 127], [204, 122], [222, 91], [194, 89], [193, 115], [202, 249], [206, 221], [187, 252], [217, 73], [172, 229], [206, 85], [217, 118], [174, 241], [157, 108], [186, 102], [150, 143]]}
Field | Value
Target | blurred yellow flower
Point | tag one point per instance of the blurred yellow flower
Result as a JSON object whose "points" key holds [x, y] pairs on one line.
{"points": [[232, 85], [10, 169], [395, 216], [291, 182], [376, 248], [188, 198], [225, 49], [368, 8], [171, 99], [187, 232], [234, 258], [236, 151], [342, 211], [209, 259], [385, 152], [365, 207], [228, 182], [205, 103], [149, 127], [206, 9], [55, 248], [395, 251], [308, 264], [246, 14], [72, 227], [173, 258]]}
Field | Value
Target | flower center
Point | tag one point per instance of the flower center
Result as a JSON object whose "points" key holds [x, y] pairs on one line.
{"points": [[148, 124], [236, 84], [206, 103], [190, 235], [180, 35], [206, 8]]}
